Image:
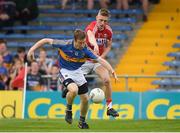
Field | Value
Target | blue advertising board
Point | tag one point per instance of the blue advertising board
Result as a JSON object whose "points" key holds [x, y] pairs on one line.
{"points": [[130, 105]]}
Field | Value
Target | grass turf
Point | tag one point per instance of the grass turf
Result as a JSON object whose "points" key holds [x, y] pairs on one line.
{"points": [[58, 125]]}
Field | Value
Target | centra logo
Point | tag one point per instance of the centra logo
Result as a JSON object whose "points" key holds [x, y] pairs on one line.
{"points": [[8, 110]]}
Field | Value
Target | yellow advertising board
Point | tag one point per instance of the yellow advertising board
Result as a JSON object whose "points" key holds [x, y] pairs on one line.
{"points": [[11, 104]]}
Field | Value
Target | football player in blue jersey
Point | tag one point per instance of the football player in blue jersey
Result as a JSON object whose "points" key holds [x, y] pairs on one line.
{"points": [[72, 54]]}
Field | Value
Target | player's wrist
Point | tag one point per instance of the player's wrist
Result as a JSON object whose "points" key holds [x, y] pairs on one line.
{"points": [[113, 72]]}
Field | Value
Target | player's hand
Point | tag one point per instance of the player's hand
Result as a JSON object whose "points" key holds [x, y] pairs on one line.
{"points": [[115, 76], [30, 55], [96, 49]]}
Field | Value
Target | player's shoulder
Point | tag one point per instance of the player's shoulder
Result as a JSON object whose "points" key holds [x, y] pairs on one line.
{"points": [[92, 24], [65, 42], [108, 28]]}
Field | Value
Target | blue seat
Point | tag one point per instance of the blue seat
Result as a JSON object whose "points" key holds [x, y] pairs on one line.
{"points": [[168, 72], [111, 55], [167, 82], [55, 36], [172, 63], [46, 27], [35, 36], [83, 19], [164, 82], [23, 44], [176, 45], [176, 82], [116, 45], [174, 54], [81, 11], [48, 2]]}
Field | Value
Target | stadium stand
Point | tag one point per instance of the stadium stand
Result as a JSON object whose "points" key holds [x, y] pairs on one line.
{"points": [[46, 27], [56, 23], [149, 49]]}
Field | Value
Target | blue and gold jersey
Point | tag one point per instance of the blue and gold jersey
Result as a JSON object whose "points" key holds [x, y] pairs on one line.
{"points": [[71, 58]]}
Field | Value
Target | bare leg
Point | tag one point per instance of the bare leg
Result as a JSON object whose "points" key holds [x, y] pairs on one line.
{"points": [[63, 5], [90, 4], [104, 75], [103, 3], [145, 5], [84, 109], [84, 104], [73, 89]]}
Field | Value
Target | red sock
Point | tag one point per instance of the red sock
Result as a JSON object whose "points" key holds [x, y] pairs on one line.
{"points": [[109, 103]]}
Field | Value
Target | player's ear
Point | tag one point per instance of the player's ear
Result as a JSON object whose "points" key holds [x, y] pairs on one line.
{"points": [[97, 17]]}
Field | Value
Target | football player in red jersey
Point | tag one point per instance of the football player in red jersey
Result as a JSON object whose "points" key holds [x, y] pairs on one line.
{"points": [[99, 39]]}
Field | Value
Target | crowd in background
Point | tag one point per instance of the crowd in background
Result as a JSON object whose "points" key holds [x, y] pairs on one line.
{"points": [[12, 70], [17, 10], [12, 66]]}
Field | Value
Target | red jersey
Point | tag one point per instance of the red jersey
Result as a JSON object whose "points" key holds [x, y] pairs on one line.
{"points": [[101, 36]]}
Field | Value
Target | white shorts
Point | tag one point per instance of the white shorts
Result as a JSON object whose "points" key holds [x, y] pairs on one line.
{"points": [[76, 75], [89, 66]]}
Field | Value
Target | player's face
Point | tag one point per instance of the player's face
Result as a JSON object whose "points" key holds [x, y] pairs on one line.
{"points": [[80, 44], [101, 21]]}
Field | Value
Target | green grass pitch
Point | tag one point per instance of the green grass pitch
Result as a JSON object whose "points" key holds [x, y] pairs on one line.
{"points": [[58, 125]]}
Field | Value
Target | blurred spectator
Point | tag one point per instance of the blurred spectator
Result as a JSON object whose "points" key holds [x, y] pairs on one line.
{"points": [[26, 10], [44, 62], [3, 75], [17, 75], [73, 2], [7, 57], [103, 4], [7, 14], [145, 5], [63, 4], [34, 80], [122, 5], [54, 86], [21, 54]]}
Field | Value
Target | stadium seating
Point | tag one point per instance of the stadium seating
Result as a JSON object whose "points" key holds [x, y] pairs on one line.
{"points": [[58, 36], [48, 2], [82, 11], [172, 63], [148, 50], [176, 55], [167, 82], [168, 72], [64, 28], [176, 45], [83, 19]]}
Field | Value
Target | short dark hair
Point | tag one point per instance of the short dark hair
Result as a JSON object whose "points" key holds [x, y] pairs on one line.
{"points": [[21, 49], [79, 34], [3, 41], [104, 12]]}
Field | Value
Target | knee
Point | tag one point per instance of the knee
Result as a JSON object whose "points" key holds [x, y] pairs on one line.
{"points": [[106, 80], [73, 91], [85, 100]]}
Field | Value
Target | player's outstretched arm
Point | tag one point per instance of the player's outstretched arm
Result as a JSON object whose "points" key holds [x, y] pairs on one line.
{"points": [[93, 42], [40, 43], [104, 63]]}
